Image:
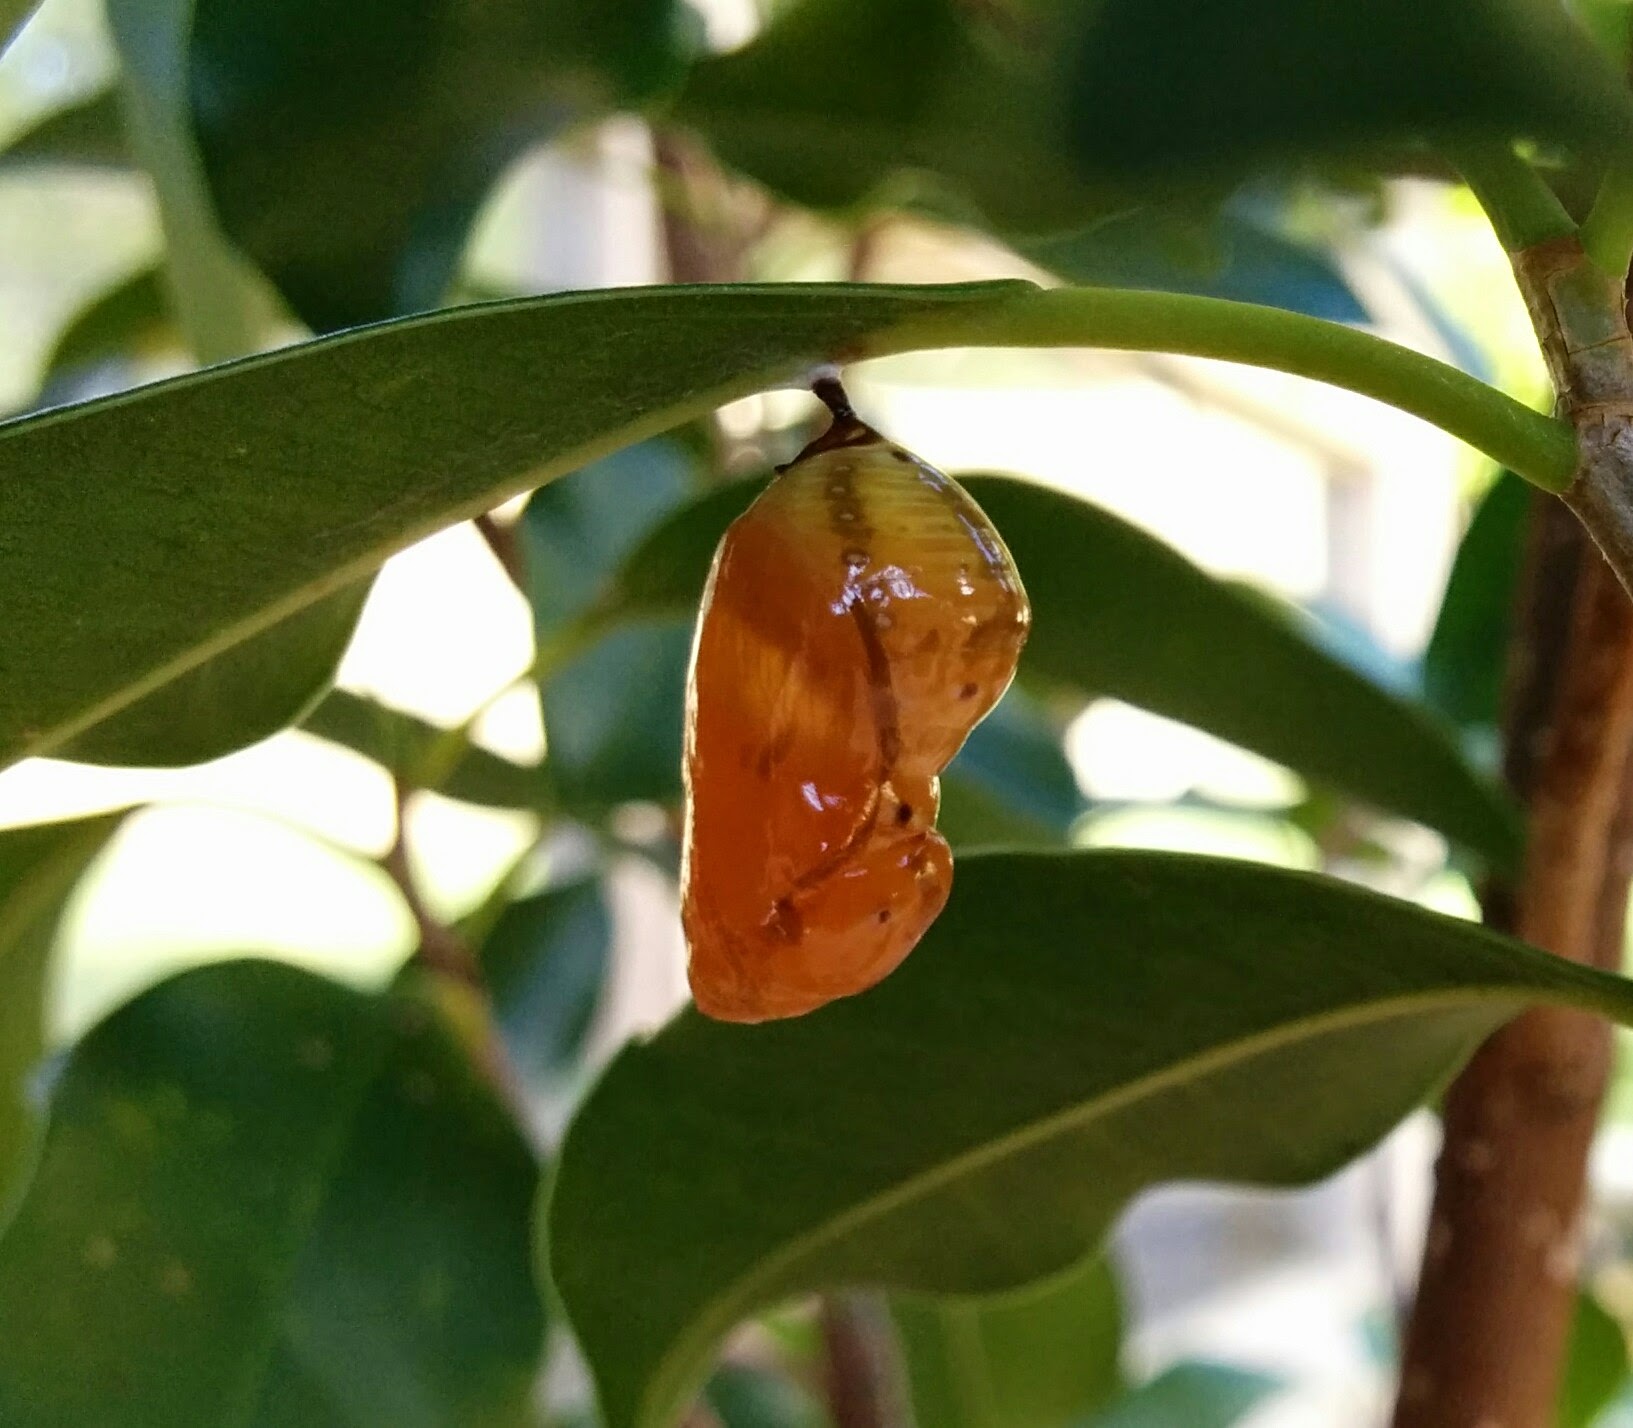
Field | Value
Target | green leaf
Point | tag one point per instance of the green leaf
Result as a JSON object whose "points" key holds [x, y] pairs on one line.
{"points": [[237, 496], [576, 530], [247, 693], [217, 301], [1161, 89], [13, 15], [821, 108], [746, 1397], [545, 962], [1596, 1365], [267, 1200], [130, 319], [1118, 613], [1011, 783], [426, 756], [348, 148], [1072, 1030], [1466, 662], [88, 132], [1235, 253], [1040, 1358], [39, 867], [1190, 1395], [612, 711]]}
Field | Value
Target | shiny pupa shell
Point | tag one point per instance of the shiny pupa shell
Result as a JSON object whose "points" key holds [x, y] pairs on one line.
{"points": [[861, 617]]}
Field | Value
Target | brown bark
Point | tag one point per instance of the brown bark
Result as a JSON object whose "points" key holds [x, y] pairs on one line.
{"points": [[1488, 1333], [863, 1387]]}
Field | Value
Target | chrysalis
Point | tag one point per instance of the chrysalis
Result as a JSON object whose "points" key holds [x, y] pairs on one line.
{"points": [[861, 617]]}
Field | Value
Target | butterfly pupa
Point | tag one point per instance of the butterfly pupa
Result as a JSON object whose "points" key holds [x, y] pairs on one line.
{"points": [[860, 618]]}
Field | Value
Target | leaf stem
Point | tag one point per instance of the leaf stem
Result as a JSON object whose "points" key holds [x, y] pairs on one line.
{"points": [[1607, 231], [1523, 210], [1539, 448]]}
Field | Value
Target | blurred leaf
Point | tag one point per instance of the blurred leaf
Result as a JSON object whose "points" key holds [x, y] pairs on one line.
{"points": [[86, 132], [746, 1397], [1073, 1029], [245, 694], [1040, 1358], [424, 755], [132, 318], [350, 147], [1466, 662], [822, 108], [1163, 89], [13, 15], [216, 300], [613, 717], [40, 866], [576, 530], [1190, 1395], [265, 1199], [1013, 764], [237, 496], [1120, 614], [612, 711], [1596, 1365], [545, 962], [1234, 253], [1610, 23]]}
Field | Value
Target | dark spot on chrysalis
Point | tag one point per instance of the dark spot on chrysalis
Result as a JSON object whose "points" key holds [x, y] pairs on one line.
{"points": [[884, 914], [785, 923], [904, 814], [901, 455], [969, 691]]}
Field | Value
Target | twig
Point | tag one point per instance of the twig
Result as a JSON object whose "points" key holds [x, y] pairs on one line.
{"points": [[860, 1376], [1494, 1304], [506, 548]]}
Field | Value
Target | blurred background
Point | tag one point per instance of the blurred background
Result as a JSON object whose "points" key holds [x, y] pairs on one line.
{"points": [[1346, 509]]}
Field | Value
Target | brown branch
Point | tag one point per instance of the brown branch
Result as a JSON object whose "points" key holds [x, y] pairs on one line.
{"points": [[860, 1376], [506, 548], [1489, 1329]]}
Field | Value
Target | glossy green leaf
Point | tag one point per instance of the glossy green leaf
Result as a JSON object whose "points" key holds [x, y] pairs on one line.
{"points": [[1118, 613], [426, 756], [1596, 1365], [237, 496], [1190, 1395], [247, 693], [349, 147], [88, 132], [1466, 662], [545, 962], [1073, 1029], [266, 1201], [39, 867], [217, 300], [1040, 1358], [1167, 88], [823, 108]]}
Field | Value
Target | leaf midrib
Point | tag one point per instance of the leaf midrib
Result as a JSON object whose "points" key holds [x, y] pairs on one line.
{"points": [[718, 1313]]}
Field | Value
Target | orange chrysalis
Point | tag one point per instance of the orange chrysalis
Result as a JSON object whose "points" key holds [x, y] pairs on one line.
{"points": [[861, 617]]}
